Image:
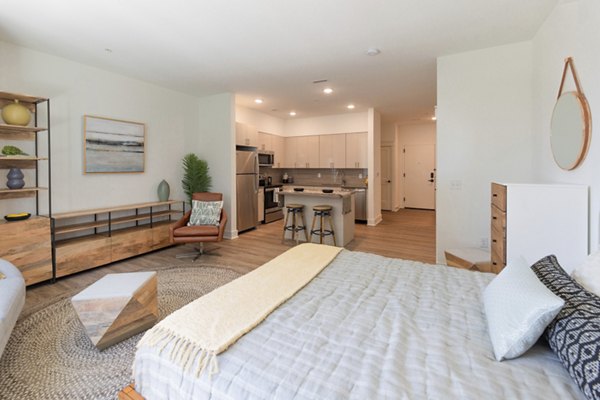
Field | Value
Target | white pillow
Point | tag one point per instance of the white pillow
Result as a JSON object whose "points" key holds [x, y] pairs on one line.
{"points": [[518, 307], [588, 273]]}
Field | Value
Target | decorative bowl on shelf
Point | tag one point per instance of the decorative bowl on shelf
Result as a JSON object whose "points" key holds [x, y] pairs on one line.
{"points": [[327, 190], [17, 217], [298, 189]]}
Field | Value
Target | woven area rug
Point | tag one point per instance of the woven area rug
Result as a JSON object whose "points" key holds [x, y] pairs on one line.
{"points": [[49, 355]]}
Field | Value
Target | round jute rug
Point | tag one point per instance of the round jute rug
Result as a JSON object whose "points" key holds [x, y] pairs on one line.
{"points": [[49, 355]]}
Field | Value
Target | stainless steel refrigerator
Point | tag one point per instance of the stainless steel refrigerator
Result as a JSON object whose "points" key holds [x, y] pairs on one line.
{"points": [[246, 166]]}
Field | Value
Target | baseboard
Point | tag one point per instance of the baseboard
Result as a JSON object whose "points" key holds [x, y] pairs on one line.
{"points": [[374, 221], [231, 235]]}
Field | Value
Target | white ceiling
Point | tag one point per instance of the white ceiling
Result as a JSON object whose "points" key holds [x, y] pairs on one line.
{"points": [[274, 49]]}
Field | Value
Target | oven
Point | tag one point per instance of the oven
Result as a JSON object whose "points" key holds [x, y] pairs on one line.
{"points": [[273, 203]]}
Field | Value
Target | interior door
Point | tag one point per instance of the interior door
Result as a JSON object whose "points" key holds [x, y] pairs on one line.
{"points": [[386, 177], [419, 176]]}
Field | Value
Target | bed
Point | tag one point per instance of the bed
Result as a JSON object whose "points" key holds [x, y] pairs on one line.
{"points": [[367, 327]]}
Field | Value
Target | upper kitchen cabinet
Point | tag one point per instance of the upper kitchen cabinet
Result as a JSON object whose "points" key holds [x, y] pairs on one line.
{"points": [[265, 141], [278, 150], [307, 152], [301, 152], [290, 145], [246, 135], [332, 151], [356, 150]]}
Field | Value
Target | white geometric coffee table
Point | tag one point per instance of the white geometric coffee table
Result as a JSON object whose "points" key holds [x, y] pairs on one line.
{"points": [[117, 306]]}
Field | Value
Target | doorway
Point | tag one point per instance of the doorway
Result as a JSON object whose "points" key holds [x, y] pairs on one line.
{"points": [[386, 177], [419, 176]]}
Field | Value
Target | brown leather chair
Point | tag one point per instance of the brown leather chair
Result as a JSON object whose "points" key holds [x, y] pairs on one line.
{"points": [[180, 232]]}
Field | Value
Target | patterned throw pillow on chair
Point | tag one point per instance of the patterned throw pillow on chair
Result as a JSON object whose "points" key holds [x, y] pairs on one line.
{"points": [[205, 212], [574, 335]]}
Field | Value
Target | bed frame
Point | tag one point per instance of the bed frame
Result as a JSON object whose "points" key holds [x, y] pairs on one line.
{"points": [[129, 393]]}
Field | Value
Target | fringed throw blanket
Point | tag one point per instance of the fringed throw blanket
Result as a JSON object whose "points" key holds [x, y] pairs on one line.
{"points": [[196, 333]]}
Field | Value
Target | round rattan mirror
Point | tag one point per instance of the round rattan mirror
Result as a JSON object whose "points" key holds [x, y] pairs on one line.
{"points": [[570, 130], [571, 126]]}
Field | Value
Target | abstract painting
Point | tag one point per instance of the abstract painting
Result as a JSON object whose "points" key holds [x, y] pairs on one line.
{"points": [[113, 145]]}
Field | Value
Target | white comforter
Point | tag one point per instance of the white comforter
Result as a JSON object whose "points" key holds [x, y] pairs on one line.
{"points": [[369, 327]]}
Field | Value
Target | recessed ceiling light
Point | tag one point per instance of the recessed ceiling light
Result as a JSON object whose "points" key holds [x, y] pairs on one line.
{"points": [[328, 90], [292, 113], [350, 106], [258, 101], [373, 51]]}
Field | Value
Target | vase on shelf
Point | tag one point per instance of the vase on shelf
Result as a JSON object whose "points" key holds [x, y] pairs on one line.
{"points": [[16, 114], [164, 190], [15, 178]]}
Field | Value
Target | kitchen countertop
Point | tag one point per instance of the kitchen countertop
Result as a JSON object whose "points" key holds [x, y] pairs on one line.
{"points": [[312, 191]]}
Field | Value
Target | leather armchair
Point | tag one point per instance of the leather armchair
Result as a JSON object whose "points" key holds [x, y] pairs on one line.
{"points": [[180, 232]]}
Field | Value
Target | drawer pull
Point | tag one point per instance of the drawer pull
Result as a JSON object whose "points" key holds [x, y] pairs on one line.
{"points": [[494, 240], [494, 195], [494, 217], [495, 263]]}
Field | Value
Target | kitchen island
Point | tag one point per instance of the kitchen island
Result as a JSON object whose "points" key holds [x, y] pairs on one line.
{"points": [[341, 202]]}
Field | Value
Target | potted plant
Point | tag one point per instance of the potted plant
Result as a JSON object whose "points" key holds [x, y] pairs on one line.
{"points": [[195, 176]]}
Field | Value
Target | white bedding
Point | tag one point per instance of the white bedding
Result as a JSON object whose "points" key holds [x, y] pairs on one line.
{"points": [[369, 327]]}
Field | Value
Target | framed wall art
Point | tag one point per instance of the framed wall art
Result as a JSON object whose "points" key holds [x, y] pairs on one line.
{"points": [[113, 146]]}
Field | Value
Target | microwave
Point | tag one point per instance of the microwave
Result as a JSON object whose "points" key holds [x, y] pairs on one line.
{"points": [[266, 158]]}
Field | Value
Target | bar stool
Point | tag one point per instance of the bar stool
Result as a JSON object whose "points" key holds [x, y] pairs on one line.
{"points": [[320, 212], [297, 211]]}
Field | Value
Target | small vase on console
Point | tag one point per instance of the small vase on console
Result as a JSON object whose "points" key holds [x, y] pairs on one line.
{"points": [[15, 178], [164, 190]]}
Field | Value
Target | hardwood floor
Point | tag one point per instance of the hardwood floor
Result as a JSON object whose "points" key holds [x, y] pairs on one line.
{"points": [[408, 234]]}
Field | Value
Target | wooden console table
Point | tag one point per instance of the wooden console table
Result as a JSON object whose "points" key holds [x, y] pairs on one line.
{"points": [[90, 238]]}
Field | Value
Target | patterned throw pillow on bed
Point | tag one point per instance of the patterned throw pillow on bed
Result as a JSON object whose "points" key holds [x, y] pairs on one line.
{"points": [[205, 212], [574, 335], [2, 276]]}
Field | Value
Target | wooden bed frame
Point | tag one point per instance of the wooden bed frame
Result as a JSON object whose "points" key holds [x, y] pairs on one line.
{"points": [[129, 393]]}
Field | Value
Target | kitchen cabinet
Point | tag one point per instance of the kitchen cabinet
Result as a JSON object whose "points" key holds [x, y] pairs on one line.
{"points": [[290, 145], [356, 150], [279, 150], [307, 152], [332, 151], [265, 141], [534, 220], [246, 135]]}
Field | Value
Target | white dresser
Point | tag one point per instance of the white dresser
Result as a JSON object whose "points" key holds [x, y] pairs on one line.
{"points": [[535, 220]]}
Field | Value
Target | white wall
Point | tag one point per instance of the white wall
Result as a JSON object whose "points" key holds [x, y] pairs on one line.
{"points": [[484, 134], [573, 30], [263, 122], [328, 124], [374, 151], [215, 143], [76, 90], [406, 135]]}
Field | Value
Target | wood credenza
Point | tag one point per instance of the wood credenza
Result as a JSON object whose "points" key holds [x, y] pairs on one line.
{"points": [[535, 220], [91, 238], [27, 245]]}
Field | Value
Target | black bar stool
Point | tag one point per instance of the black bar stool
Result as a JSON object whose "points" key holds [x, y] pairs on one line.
{"points": [[320, 212], [297, 211]]}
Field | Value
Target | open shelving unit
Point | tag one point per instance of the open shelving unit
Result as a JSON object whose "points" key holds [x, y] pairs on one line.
{"points": [[90, 238], [27, 244]]}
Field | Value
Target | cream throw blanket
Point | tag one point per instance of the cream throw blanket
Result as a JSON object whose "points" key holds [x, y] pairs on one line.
{"points": [[209, 325]]}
